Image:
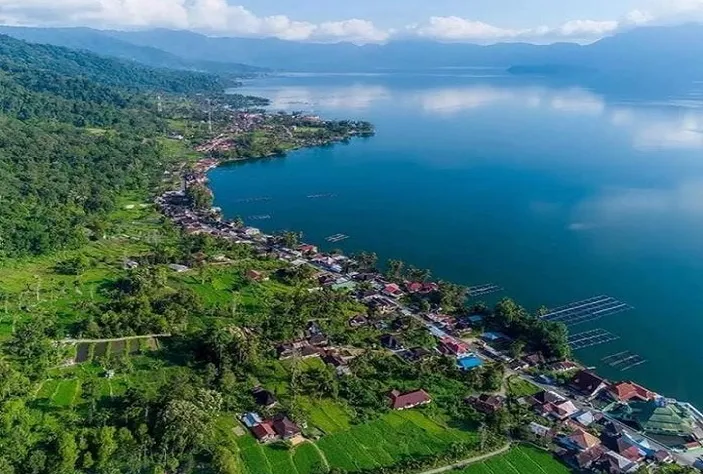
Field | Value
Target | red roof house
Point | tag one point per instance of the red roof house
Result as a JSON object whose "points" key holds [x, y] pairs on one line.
{"points": [[403, 401], [256, 276], [393, 290], [626, 391], [285, 427], [264, 431], [454, 346], [587, 383]]}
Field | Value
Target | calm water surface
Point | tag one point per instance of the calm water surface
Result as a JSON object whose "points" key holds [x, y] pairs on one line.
{"points": [[557, 193]]}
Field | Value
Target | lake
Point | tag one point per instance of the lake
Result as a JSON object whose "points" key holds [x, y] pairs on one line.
{"points": [[556, 192]]}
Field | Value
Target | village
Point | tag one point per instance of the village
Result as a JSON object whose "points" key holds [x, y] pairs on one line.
{"points": [[585, 420]]}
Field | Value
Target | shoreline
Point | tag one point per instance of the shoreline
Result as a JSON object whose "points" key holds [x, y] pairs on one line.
{"points": [[212, 222]]}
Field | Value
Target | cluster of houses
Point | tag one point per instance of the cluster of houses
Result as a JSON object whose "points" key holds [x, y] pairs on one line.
{"points": [[602, 439], [278, 427], [315, 344]]}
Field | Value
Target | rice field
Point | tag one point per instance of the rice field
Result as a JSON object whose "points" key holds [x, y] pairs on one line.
{"points": [[89, 351], [519, 460], [383, 442]]}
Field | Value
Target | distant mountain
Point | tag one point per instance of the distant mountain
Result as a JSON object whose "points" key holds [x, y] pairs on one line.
{"points": [[101, 42], [658, 52]]}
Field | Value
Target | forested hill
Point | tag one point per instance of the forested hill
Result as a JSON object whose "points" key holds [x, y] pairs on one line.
{"points": [[76, 131], [19, 56]]}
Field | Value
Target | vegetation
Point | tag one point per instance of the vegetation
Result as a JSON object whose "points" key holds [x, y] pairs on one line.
{"points": [[519, 460]]}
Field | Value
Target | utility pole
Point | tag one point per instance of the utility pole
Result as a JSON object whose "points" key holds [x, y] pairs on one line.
{"points": [[209, 115], [159, 106]]}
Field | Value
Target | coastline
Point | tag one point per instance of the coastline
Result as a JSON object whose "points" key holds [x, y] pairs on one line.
{"points": [[212, 222]]}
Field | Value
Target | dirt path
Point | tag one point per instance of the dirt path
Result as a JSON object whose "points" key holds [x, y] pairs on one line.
{"points": [[78, 341], [466, 462]]}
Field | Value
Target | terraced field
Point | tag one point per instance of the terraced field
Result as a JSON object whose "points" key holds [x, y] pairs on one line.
{"points": [[380, 443], [519, 460]]}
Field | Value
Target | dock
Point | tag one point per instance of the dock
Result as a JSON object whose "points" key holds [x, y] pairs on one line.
{"points": [[591, 338], [586, 310], [253, 199], [337, 238], [625, 360], [321, 196], [483, 290]]}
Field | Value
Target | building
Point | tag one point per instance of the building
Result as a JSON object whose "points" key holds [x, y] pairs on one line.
{"points": [[392, 290], [264, 431], [627, 391], [469, 362], [358, 321], [453, 346], [404, 401], [251, 419], [540, 430], [264, 398], [563, 366], [587, 383], [486, 403], [390, 342], [254, 275], [656, 417], [284, 427]]}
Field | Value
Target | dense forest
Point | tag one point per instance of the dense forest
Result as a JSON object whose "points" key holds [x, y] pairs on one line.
{"points": [[75, 130]]}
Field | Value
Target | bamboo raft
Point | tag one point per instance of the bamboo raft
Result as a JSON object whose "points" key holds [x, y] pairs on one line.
{"points": [[586, 310], [482, 290], [337, 238]]}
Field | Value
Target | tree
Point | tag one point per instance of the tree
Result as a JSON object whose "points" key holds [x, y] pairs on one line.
{"points": [[224, 462], [418, 274], [394, 269], [67, 450], [366, 261], [106, 444], [200, 196], [32, 345]]}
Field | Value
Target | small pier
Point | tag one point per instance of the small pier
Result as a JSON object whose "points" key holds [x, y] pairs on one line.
{"points": [[625, 360], [586, 310], [483, 290], [337, 238], [253, 199], [591, 338], [321, 196]]}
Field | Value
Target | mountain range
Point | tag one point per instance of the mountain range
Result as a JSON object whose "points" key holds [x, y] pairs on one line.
{"points": [[658, 52]]}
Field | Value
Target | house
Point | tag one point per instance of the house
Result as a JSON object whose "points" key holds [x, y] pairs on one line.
{"points": [[178, 268], [358, 321], [285, 427], [663, 457], [587, 383], [656, 417], [493, 336], [564, 410], [251, 232], [563, 366], [413, 287], [254, 275], [319, 340], [586, 459], [584, 418], [450, 345], [251, 419], [613, 463], [264, 431], [627, 391], [540, 430], [551, 404], [392, 290], [486, 403], [390, 342], [582, 440], [404, 401], [534, 360], [547, 396], [469, 361], [264, 398], [417, 354], [307, 249]]}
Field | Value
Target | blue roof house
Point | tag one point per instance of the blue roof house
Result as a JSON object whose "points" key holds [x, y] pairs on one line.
{"points": [[251, 419], [469, 362]]}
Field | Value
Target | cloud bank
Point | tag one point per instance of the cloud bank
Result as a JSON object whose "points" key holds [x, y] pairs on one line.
{"points": [[221, 18]]}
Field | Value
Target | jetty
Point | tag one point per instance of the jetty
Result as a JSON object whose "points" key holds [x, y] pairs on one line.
{"points": [[591, 338], [586, 310], [625, 360], [253, 199], [337, 238], [483, 290], [321, 196]]}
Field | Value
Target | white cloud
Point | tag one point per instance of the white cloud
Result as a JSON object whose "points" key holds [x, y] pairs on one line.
{"points": [[222, 18]]}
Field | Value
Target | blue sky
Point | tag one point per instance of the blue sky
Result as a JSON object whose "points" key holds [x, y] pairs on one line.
{"points": [[362, 21]]}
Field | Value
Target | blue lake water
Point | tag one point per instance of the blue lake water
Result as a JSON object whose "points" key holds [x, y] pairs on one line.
{"points": [[555, 192]]}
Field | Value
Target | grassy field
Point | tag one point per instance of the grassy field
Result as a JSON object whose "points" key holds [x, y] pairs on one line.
{"points": [[520, 387], [519, 460], [383, 442]]}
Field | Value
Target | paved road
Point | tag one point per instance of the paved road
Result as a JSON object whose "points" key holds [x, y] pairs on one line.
{"points": [[466, 462]]}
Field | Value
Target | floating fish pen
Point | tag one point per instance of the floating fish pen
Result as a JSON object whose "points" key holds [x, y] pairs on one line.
{"points": [[337, 238], [586, 310], [254, 199], [591, 338], [321, 196], [625, 360], [483, 290], [261, 217]]}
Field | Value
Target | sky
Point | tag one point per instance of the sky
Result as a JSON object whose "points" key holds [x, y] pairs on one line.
{"points": [[363, 21]]}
